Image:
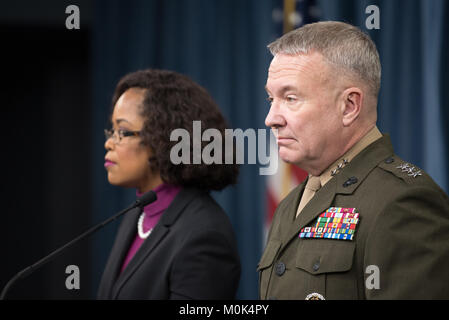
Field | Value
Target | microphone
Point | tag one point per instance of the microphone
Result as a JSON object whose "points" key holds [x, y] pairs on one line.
{"points": [[141, 202], [145, 199]]}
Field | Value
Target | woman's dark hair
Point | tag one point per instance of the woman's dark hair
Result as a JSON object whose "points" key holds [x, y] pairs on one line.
{"points": [[173, 101]]}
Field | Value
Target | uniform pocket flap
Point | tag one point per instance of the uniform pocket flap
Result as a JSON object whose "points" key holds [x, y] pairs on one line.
{"points": [[325, 256], [269, 254]]}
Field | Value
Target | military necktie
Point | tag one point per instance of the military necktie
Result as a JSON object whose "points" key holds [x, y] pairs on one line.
{"points": [[312, 186]]}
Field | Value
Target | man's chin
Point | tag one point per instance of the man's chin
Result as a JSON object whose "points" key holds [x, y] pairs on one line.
{"points": [[289, 160], [287, 156]]}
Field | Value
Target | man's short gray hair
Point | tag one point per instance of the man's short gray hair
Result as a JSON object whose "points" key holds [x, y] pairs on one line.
{"points": [[343, 45]]}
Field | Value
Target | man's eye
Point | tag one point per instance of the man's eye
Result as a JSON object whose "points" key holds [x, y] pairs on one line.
{"points": [[270, 100], [291, 99]]}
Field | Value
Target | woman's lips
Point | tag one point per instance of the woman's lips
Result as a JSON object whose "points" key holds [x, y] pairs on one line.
{"points": [[108, 163]]}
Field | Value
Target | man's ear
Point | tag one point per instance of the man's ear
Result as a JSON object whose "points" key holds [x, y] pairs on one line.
{"points": [[352, 105]]}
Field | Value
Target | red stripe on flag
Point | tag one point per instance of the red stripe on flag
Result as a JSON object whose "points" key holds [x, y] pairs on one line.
{"points": [[300, 174]]}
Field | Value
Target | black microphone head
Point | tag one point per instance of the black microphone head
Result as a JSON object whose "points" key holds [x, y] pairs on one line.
{"points": [[146, 199]]}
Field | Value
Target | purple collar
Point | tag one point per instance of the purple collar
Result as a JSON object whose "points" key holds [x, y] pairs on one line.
{"points": [[165, 194]]}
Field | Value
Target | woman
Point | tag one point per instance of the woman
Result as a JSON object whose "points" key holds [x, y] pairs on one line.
{"points": [[181, 246]]}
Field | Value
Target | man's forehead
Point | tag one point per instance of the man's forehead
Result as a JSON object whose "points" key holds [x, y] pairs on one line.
{"points": [[295, 62], [285, 65]]}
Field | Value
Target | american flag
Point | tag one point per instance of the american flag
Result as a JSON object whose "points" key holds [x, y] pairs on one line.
{"points": [[287, 15]]}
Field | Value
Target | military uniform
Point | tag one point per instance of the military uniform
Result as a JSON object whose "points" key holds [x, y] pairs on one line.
{"points": [[402, 230]]}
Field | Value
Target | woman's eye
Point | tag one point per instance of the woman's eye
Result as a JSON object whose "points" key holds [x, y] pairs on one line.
{"points": [[122, 132]]}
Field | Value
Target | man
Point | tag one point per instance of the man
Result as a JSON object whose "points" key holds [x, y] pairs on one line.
{"points": [[365, 224]]}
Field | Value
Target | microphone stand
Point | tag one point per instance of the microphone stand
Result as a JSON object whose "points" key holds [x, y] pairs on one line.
{"points": [[28, 270]]}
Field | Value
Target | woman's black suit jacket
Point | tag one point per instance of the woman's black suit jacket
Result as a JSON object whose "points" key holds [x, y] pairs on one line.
{"points": [[191, 254]]}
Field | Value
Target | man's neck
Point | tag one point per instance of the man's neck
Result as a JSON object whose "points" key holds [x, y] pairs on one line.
{"points": [[354, 145], [334, 168]]}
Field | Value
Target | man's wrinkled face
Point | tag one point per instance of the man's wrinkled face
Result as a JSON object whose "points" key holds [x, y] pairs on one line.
{"points": [[304, 112]]}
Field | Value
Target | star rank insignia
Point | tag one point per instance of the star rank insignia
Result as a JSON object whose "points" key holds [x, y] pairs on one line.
{"points": [[404, 167], [411, 171], [339, 167], [415, 174]]}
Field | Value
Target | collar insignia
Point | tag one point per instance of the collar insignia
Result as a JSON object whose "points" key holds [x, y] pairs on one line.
{"points": [[339, 167]]}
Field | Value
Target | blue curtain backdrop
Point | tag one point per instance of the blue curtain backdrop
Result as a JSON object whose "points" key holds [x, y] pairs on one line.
{"points": [[222, 45]]}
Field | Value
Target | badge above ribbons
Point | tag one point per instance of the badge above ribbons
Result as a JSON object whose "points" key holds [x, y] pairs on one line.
{"points": [[335, 223]]}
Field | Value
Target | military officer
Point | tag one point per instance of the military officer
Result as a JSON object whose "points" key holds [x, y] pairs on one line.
{"points": [[365, 224]]}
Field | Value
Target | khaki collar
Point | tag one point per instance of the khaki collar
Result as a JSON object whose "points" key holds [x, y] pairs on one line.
{"points": [[372, 135]]}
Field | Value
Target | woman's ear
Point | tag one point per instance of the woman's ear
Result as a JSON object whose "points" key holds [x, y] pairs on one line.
{"points": [[352, 105]]}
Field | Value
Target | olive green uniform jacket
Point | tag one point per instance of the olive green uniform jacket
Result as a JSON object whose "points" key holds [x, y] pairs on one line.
{"points": [[400, 248]]}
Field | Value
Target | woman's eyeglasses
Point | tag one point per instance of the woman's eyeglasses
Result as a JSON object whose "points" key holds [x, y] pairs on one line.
{"points": [[118, 135]]}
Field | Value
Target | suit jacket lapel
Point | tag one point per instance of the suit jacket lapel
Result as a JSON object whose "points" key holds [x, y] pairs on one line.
{"points": [[157, 235], [124, 237], [148, 245]]}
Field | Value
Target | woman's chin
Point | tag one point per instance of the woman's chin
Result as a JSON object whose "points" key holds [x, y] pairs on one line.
{"points": [[119, 183]]}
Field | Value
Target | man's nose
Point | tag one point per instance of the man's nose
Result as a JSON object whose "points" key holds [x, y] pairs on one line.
{"points": [[274, 117]]}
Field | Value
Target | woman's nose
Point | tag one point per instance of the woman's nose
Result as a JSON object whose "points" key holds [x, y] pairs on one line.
{"points": [[109, 143]]}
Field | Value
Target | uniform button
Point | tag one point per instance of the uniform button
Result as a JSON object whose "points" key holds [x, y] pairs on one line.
{"points": [[316, 266], [280, 268], [350, 181], [389, 160]]}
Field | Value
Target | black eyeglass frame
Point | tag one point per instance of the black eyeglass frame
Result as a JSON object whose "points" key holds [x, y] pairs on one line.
{"points": [[121, 133]]}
